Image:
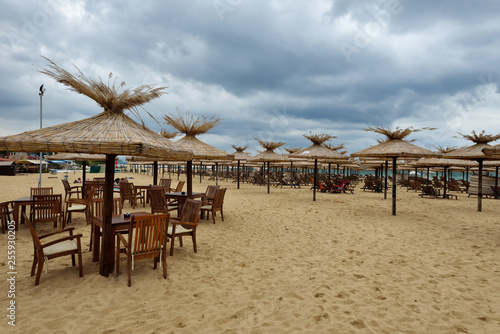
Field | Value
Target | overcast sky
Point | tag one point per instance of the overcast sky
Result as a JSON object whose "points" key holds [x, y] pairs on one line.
{"points": [[269, 69]]}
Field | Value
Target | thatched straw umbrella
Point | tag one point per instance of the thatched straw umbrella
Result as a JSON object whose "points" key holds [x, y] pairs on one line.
{"points": [[111, 133], [317, 151], [240, 155], [192, 126], [394, 146], [268, 155], [444, 163], [475, 152]]}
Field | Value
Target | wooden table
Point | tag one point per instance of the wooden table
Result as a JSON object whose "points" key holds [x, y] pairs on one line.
{"points": [[118, 223], [181, 198], [21, 202]]}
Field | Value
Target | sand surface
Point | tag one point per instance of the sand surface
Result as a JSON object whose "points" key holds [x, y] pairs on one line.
{"points": [[280, 263]]}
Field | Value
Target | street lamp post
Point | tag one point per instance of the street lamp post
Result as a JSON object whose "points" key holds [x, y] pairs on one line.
{"points": [[42, 90]]}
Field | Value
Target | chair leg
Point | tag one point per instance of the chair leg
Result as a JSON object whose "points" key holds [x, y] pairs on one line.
{"points": [[213, 215], [73, 263], [222, 214], [39, 271], [129, 265], [35, 260], [80, 264], [194, 241], [164, 262], [172, 245]]}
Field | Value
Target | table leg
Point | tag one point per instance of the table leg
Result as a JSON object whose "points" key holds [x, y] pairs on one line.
{"points": [[96, 244], [16, 215]]}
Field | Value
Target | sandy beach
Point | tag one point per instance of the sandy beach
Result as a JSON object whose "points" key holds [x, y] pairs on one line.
{"points": [[279, 263]]}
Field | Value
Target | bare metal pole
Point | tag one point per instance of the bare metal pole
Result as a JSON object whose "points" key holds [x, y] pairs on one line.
{"points": [[42, 90]]}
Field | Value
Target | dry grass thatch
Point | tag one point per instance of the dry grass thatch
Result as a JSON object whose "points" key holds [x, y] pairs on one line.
{"points": [[189, 124], [239, 148], [168, 134], [318, 139], [269, 145], [480, 138], [398, 134], [446, 149], [107, 96], [291, 150], [334, 147]]}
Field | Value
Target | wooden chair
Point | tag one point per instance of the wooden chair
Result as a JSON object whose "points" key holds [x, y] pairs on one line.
{"points": [[4, 216], [166, 183], [96, 210], [147, 238], [47, 208], [210, 193], [158, 201], [217, 205], [79, 205], [43, 252], [70, 190], [41, 191], [430, 191], [186, 224], [8, 208], [131, 194], [179, 187]]}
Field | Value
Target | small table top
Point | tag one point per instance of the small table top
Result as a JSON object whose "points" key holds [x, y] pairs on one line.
{"points": [[184, 194], [120, 219]]}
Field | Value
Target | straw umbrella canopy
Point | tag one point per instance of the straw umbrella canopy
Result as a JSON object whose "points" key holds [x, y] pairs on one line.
{"points": [[444, 163], [394, 146], [316, 151], [475, 152], [111, 133], [268, 155], [240, 155], [191, 127]]}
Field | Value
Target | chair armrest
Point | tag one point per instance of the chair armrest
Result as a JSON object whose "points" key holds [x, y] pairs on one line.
{"points": [[184, 223], [69, 229], [76, 201], [122, 239], [69, 237]]}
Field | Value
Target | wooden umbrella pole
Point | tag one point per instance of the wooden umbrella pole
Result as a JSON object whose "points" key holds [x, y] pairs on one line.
{"points": [[480, 186], [393, 179], [315, 178], [268, 179], [238, 174], [394, 186], [496, 182], [201, 170], [84, 176], [106, 261], [445, 180], [216, 173], [155, 172], [189, 178]]}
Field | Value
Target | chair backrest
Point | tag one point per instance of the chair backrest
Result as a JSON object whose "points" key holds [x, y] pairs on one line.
{"points": [[166, 183], [147, 234], [46, 208], [98, 206], [66, 185], [179, 187], [219, 198], [157, 200], [126, 190], [211, 191], [4, 215], [41, 191], [191, 211]]}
